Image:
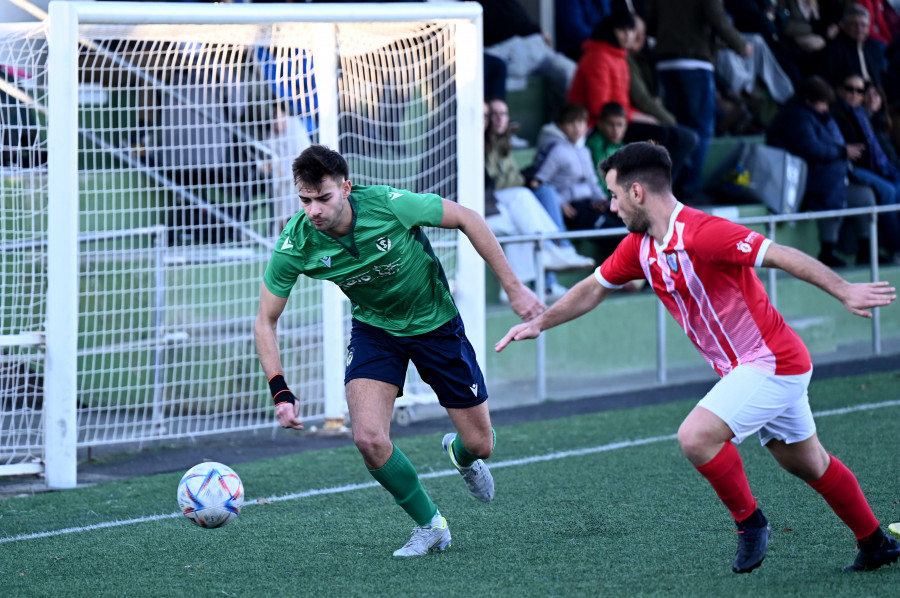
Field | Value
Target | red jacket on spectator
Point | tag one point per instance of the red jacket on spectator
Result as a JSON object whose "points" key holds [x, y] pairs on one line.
{"points": [[602, 76]]}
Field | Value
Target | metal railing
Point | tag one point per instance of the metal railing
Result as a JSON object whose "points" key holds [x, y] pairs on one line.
{"points": [[770, 222]]}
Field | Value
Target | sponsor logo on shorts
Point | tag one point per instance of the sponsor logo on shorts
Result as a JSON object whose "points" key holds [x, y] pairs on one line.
{"points": [[349, 357], [474, 388]]}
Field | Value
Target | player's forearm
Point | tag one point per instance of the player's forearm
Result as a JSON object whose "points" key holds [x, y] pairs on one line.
{"points": [[267, 346], [579, 300], [805, 268], [487, 246]]}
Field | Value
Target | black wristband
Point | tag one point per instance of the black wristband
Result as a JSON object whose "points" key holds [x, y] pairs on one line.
{"points": [[280, 391]]}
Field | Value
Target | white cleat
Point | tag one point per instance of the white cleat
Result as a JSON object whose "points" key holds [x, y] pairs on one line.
{"points": [[478, 477], [433, 537]]}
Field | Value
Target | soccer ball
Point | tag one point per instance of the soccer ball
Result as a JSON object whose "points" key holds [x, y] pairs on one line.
{"points": [[210, 494]]}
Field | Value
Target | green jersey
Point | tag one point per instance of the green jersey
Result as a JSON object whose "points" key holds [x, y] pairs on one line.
{"points": [[385, 265]]}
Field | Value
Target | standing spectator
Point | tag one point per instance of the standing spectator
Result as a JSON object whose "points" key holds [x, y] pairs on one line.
{"points": [[685, 51], [574, 21], [805, 127], [511, 34], [604, 76], [872, 167], [852, 51]]}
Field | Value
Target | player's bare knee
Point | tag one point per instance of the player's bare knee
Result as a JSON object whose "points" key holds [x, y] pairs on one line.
{"points": [[374, 448], [694, 444]]}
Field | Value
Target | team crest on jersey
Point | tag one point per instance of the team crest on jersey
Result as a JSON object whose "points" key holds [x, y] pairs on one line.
{"points": [[327, 261], [673, 261], [383, 244]]}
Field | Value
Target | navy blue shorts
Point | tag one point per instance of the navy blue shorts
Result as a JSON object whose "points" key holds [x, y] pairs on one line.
{"points": [[443, 357]]}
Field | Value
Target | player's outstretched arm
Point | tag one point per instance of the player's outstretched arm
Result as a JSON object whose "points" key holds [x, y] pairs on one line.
{"points": [[521, 299], [265, 332], [580, 299], [858, 298]]}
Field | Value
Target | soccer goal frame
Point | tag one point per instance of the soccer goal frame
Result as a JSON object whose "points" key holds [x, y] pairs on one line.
{"points": [[63, 236]]}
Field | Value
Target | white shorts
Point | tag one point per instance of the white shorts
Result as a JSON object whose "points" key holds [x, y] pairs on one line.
{"points": [[775, 407]]}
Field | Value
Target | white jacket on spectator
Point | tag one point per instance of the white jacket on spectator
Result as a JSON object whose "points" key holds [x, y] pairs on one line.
{"points": [[567, 167]]}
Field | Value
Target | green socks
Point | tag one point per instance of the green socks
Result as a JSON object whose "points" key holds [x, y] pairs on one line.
{"points": [[399, 477], [463, 457]]}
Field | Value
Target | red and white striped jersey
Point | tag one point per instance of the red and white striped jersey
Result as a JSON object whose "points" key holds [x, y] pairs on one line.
{"points": [[703, 272]]}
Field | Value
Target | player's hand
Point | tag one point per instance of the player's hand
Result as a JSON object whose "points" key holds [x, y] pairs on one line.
{"points": [[525, 303], [518, 333], [288, 415], [863, 296]]}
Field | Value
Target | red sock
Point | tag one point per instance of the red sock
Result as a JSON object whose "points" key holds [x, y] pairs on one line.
{"points": [[839, 488], [726, 474]]}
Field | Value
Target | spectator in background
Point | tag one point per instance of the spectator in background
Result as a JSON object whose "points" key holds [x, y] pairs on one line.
{"points": [[685, 50], [604, 76], [805, 127], [569, 169], [852, 51], [512, 35], [805, 26], [574, 21], [608, 135], [871, 167], [494, 77], [880, 24], [875, 105], [511, 208]]}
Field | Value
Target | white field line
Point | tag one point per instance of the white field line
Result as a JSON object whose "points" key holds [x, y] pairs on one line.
{"points": [[434, 474]]}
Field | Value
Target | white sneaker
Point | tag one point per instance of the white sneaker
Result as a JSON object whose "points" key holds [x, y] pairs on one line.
{"points": [[433, 537], [559, 258], [554, 292], [477, 476]]}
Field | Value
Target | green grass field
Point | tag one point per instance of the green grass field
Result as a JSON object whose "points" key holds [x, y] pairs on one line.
{"points": [[593, 505]]}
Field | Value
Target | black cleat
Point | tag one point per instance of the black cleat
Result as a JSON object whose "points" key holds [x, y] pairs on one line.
{"points": [[869, 560], [752, 545]]}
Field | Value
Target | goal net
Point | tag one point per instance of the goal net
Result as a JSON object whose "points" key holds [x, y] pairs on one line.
{"points": [[143, 190]]}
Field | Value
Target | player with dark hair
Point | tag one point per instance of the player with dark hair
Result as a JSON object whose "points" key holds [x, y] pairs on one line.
{"points": [[702, 269], [369, 241]]}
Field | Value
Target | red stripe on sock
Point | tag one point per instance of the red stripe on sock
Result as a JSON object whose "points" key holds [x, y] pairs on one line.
{"points": [[725, 472], [840, 489]]}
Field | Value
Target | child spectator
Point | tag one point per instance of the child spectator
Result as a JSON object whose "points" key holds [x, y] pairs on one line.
{"points": [[569, 168], [608, 136]]}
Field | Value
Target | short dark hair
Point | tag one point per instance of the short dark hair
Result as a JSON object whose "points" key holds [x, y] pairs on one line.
{"points": [[612, 109], [815, 89], [317, 162], [605, 30], [570, 113], [643, 162]]}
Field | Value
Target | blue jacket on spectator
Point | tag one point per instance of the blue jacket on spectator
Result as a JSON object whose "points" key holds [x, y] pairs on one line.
{"points": [[816, 138]]}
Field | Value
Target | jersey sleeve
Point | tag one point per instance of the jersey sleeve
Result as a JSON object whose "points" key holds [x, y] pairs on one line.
{"points": [[724, 242], [415, 209], [281, 272], [623, 266]]}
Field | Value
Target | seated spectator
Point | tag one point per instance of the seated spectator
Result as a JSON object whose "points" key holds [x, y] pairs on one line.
{"points": [[875, 104], [805, 127], [511, 209], [804, 27], [872, 167], [512, 35], [852, 51], [608, 135], [743, 73], [569, 169], [882, 28], [604, 76]]}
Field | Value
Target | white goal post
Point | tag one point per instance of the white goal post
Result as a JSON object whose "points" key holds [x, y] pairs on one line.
{"points": [[137, 223]]}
